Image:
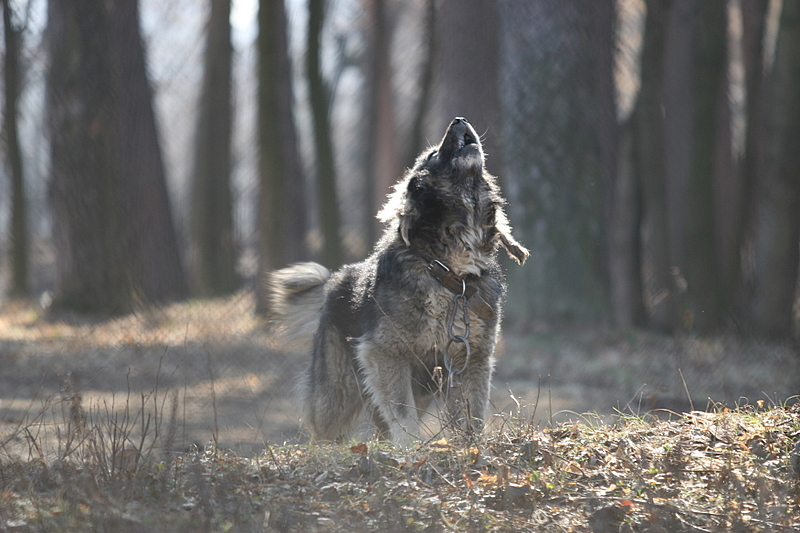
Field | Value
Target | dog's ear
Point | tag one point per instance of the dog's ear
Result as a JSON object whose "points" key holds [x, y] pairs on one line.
{"points": [[417, 197], [515, 250], [401, 207]]}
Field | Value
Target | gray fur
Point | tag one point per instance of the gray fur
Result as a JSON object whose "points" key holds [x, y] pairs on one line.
{"points": [[377, 329], [296, 295]]}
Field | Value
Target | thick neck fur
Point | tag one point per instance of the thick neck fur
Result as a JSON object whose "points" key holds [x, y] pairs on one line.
{"points": [[449, 216]]}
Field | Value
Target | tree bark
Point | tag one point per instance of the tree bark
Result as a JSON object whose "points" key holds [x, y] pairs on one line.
{"points": [[778, 225], [550, 109], [157, 266], [382, 144], [417, 135], [332, 252], [212, 204], [468, 66], [282, 200], [19, 222], [754, 18], [710, 160], [92, 253], [650, 167], [112, 224]]}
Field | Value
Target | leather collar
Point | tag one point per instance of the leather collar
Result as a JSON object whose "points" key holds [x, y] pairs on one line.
{"points": [[459, 285]]}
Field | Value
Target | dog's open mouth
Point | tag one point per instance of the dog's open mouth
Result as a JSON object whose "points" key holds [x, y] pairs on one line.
{"points": [[461, 145], [465, 140]]}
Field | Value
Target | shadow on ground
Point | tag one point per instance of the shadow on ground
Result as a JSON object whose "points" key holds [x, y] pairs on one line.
{"points": [[203, 372]]}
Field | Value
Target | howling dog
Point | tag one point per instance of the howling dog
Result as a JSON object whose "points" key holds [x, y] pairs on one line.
{"points": [[420, 315]]}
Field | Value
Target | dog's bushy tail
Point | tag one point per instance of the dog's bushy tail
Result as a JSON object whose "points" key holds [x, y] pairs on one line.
{"points": [[296, 295]]}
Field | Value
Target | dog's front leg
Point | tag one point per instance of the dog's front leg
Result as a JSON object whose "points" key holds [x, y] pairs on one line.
{"points": [[468, 400], [388, 380]]}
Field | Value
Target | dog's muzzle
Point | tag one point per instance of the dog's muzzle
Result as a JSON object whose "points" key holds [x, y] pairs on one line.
{"points": [[461, 145]]}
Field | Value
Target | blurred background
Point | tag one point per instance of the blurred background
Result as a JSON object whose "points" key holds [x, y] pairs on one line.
{"points": [[159, 158]]}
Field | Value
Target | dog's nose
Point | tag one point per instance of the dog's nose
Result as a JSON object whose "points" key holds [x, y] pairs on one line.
{"points": [[460, 120]]}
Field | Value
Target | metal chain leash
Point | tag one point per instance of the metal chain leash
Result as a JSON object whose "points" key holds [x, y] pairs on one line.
{"points": [[458, 300]]}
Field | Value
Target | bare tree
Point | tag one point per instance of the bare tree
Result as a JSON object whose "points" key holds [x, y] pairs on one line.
{"points": [[381, 139], [648, 132], [112, 223], [212, 207], [551, 118], [19, 223], [778, 218], [157, 264], [88, 224], [468, 70], [332, 252], [282, 199]]}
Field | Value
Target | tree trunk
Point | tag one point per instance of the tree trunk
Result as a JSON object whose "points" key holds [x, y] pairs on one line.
{"points": [[382, 144], [683, 129], [620, 211], [88, 224], [679, 104], [282, 199], [112, 225], [332, 253], [550, 109], [754, 18], [417, 135], [650, 167], [157, 266], [625, 247], [778, 225], [710, 159], [19, 223], [212, 206], [469, 68]]}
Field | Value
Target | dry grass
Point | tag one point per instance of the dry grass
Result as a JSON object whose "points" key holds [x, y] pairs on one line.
{"points": [[720, 471], [127, 426], [212, 354]]}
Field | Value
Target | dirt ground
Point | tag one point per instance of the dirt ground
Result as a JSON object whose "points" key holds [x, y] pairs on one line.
{"points": [[203, 372]]}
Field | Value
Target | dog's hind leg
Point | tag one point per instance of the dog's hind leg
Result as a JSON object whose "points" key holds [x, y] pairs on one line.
{"points": [[381, 427], [330, 391]]}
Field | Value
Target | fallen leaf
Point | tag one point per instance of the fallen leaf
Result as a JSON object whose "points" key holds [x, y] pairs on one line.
{"points": [[572, 467], [441, 444], [487, 479], [467, 479], [359, 448]]}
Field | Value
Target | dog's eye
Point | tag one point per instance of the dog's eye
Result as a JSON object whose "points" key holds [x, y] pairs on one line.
{"points": [[431, 156]]}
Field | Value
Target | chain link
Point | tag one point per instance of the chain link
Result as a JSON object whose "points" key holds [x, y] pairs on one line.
{"points": [[458, 300]]}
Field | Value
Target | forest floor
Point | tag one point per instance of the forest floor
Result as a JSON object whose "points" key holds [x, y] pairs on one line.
{"points": [[181, 419]]}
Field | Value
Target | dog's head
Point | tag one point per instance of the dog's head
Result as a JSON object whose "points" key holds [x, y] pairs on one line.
{"points": [[449, 208]]}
